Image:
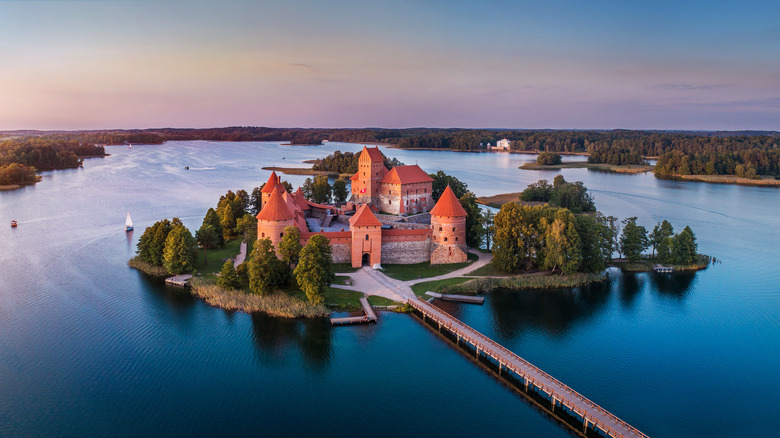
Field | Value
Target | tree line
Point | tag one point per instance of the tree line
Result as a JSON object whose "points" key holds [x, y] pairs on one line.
{"points": [[573, 196], [554, 238], [746, 163], [347, 162], [45, 153]]}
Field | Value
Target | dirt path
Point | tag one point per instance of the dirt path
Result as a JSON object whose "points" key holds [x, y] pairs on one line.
{"points": [[241, 255]]}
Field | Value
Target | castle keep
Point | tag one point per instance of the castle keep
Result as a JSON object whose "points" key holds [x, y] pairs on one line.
{"points": [[365, 238]]}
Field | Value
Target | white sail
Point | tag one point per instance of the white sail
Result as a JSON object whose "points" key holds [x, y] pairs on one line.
{"points": [[128, 221]]}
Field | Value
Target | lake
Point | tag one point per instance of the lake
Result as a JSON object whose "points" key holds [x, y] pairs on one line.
{"points": [[89, 346]]}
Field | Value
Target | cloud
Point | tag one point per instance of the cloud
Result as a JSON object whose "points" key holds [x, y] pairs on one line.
{"points": [[688, 87]]}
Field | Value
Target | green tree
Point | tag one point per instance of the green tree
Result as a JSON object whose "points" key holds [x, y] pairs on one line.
{"points": [[227, 276], [321, 191], [151, 244], [290, 246], [207, 239], [227, 220], [474, 230], [548, 158], [633, 240], [596, 242], [180, 250], [246, 226], [340, 190], [213, 219], [266, 272], [665, 250], [313, 272], [562, 243], [256, 200], [440, 182], [661, 231], [684, 247]]}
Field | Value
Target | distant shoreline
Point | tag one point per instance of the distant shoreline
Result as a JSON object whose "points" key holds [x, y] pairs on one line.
{"points": [[592, 166]]}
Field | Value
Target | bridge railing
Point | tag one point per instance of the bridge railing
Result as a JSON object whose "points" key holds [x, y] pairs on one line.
{"points": [[450, 321]]}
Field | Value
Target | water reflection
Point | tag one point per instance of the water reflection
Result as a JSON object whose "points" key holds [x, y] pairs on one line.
{"points": [[676, 285], [276, 338], [630, 285], [555, 311]]}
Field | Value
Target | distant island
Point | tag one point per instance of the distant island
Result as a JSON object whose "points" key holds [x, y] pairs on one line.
{"points": [[741, 157]]}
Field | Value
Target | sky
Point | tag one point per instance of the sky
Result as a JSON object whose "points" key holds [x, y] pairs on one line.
{"points": [[553, 64]]}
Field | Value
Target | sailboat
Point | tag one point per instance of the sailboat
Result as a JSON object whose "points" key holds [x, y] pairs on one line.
{"points": [[128, 223]]}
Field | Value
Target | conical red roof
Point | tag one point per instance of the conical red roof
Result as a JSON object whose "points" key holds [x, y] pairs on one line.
{"points": [[364, 218], [270, 185], [448, 205], [275, 209]]}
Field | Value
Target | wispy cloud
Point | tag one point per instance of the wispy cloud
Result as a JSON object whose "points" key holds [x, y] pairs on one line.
{"points": [[689, 87]]}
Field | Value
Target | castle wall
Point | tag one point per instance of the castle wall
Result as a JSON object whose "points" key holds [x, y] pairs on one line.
{"points": [[406, 251], [443, 254]]}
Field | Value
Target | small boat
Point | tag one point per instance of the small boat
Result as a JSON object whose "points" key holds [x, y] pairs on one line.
{"points": [[128, 223], [13, 224], [130, 146]]}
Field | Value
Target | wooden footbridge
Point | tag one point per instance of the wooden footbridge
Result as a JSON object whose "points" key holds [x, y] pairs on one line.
{"points": [[560, 396]]}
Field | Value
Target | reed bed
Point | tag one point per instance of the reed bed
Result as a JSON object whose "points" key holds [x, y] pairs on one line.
{"points": [[279, 304], [147, 268], [482, 285]]}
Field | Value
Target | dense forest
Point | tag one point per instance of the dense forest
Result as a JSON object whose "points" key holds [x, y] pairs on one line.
{"points": [[46, 153], [745, 153], [347, 162]]}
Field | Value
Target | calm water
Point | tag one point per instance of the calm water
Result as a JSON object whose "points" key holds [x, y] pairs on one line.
{"points": [[89, 346]]}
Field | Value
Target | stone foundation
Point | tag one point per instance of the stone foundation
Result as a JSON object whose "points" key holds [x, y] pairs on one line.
{"points": [[406, 252], [341, 253], [443, 254]]}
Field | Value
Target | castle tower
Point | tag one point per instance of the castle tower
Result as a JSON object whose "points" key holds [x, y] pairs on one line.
{"points": [[371, 169], [274, 218], [366, 238], [448, 221], [274, 183]]}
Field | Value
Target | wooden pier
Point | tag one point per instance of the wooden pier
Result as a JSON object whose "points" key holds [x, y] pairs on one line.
{"points": [[179, 280], [369, 317], [591, 416], [461, 298]]}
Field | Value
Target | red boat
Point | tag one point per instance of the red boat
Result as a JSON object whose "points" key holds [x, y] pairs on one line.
{"points": [[13, 224]]}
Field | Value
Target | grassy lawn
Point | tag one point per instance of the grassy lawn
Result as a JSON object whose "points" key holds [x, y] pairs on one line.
{"points": [[215, 256], [342, 280], [433, 286], [340, 299], [424, 270], [488, 271], [343, 268], [381, 301]]}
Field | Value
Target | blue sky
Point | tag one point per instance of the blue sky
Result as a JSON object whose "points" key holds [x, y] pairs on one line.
{"points": [[553, 64]]}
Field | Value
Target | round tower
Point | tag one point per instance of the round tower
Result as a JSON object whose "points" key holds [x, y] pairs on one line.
{"points": [[448, 222], [273, 219]]}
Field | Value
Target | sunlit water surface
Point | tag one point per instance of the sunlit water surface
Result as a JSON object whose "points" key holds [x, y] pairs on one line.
{"points": [[89, 346]]}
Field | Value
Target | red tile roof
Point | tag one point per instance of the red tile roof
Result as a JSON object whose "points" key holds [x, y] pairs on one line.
{"points": [[275, 209], [373, 153], [270, 185], [448, 205], [406, 175], [364, 218]]}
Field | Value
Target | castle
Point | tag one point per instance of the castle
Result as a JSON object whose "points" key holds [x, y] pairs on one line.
{"points": [[365, 238]]}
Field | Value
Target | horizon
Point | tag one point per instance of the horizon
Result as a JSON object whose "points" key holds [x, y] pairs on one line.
{"points": [[602, 66]]}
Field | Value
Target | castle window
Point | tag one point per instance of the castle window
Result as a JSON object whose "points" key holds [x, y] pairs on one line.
{"points": [[456, 239], [439, 228], [281, 234], [453, 229], [366, 236], [445, 239], [263, 235]]}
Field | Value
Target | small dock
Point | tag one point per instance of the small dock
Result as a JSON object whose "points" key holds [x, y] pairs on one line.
{"points": [[460, 298], [179, 280], [368, 318], [554, 394], [663, 269]]}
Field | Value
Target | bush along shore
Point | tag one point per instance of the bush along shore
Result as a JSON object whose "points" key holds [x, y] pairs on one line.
{"points": [[148, 268], [278, 304], [487, 284], [647, 264]]}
